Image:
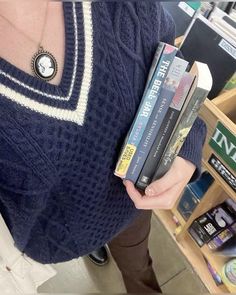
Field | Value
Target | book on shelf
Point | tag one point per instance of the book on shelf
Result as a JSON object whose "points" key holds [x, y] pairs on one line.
{"points": [[193, 194], [210, 44], [220, 14], [225, 25], [168, 109]]}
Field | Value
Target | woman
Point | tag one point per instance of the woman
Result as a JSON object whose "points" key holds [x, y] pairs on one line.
{"points": [[61, 133]]}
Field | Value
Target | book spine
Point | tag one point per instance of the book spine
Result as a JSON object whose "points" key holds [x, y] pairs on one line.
{"points": [[146, 107], [155, 61], [189, 116], [163, 102], [165, 132]]}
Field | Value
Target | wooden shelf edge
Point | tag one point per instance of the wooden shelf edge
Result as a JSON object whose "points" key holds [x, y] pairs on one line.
{"points": [[192, 253], [230, 192], [217, 262]]}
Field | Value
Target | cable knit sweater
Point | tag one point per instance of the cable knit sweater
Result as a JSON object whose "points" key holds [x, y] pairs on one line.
{"points": [[59, 144]]}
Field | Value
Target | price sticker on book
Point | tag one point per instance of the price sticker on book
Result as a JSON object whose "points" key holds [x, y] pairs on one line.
{"points": [[125, 160]]}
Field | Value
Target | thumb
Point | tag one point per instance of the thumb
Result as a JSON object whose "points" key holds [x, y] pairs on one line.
{"points": [[163, 184]]}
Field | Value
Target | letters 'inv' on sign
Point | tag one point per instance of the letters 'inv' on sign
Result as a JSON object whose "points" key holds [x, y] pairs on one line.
{"points": [[223, 142]]}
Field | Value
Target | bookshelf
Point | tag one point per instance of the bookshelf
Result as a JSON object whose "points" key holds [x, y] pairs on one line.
{"points": [[221, 109]]}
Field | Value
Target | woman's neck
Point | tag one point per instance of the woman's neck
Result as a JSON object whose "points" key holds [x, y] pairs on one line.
{"points": [[23, 14], [21, 28]]}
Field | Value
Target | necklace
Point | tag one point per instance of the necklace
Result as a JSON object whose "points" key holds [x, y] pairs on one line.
{"points": [[43, 63]]}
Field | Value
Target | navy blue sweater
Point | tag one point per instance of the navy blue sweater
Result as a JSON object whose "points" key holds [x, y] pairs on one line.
{"points": [[59, 144]]}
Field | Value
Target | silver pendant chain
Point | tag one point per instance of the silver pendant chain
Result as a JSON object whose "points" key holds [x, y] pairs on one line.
{"points": [[43, 63]]}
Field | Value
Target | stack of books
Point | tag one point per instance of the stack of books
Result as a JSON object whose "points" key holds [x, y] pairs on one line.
{"points": [[167, 111]]}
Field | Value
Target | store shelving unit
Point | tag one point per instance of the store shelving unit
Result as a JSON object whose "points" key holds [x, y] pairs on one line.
{"points": [[223, 109]]}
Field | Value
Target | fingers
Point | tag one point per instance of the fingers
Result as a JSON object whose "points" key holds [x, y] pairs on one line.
{"points": [[134, 194], [181, 170], [163, 193], [163, 184], [165, 200]]}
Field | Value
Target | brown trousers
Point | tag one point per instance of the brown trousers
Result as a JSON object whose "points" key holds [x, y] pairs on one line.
{"points": [[130, 251]]}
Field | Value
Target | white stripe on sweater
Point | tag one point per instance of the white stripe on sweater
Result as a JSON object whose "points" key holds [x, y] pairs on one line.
{"points": [[78, 114]]}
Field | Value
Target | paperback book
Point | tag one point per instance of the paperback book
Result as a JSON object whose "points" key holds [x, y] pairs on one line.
{"points": [[158, 72]]}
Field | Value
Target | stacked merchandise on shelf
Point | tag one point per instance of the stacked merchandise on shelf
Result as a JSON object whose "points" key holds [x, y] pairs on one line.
{"points": [[167, 111], [216, 227], [215, 40], [229, 247], [193, 194]]}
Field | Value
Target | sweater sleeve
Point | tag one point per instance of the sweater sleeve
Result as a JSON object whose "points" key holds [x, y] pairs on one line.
{"points": [[193, 145]]}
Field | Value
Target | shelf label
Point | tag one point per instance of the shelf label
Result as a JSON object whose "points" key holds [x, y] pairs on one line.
{"points": [[223, 142], [220, 168], [227, 47]]}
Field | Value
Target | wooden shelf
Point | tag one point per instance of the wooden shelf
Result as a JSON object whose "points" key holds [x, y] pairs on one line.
{"points": [[180, 218], [217, 263], [191, 251], [214, 196], [221, 109], [225, 105]]}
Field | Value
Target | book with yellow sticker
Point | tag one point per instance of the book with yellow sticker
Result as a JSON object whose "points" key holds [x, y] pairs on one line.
{"points": [[163, 59]]}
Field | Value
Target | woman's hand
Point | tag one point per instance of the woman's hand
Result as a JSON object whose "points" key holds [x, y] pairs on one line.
{"points": [[164, 192]]}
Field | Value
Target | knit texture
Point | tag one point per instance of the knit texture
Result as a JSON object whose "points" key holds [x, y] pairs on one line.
{"points": [[59, 144]]}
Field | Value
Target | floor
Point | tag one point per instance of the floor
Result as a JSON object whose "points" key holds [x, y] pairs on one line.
{"points": [[174, 272]]}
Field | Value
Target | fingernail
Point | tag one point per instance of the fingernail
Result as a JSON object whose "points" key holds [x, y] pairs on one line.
{"points": [[150, 191]]}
